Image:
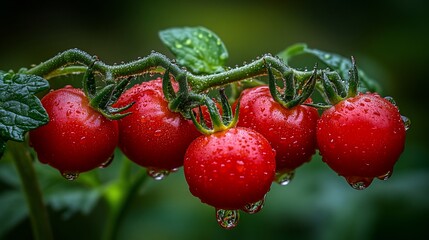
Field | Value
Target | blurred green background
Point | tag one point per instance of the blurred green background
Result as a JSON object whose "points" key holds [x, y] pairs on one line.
{"points": [[389, 39]]}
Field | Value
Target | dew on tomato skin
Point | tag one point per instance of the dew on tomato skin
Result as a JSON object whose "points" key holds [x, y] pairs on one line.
{"points": [[407, 122], [227, 219], [252, 208], [70, 175], [284, 177], [157, 174], [157, 133], [391, 100], [359, 183]]}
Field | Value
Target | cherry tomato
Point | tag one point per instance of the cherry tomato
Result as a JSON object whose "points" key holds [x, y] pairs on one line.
{"points": [[153, 136], [291, 132], [230, 169], [77, 138], [361, 138]]}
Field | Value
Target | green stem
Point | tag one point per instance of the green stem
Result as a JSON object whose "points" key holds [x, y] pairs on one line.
{"points": [[197, 83], [38, 213], [118, 196]]}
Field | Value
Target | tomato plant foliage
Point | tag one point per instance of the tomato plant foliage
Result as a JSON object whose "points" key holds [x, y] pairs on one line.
{"points": [[20, 109]]}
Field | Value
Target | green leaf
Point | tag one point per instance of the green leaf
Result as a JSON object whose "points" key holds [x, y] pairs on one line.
{"points": [[196, 48], [20, 110], [336, 62]]}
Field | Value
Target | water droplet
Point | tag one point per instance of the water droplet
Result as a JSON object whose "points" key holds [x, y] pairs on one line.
{"points": [[255, 207], [157, 133], [359, 183], [327, 56], [157, 174], [407, 122], [385, 176], [227, 219], [284, 177], [107, 162], [70, 175], [391, 100]]}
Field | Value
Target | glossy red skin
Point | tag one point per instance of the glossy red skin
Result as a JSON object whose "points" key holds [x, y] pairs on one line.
{"points": [[361, 136], [291, 132], [230, 169], [153, 136], [77, 138]]}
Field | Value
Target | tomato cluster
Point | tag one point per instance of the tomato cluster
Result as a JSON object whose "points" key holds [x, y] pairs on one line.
{"points": [[360, 138]]}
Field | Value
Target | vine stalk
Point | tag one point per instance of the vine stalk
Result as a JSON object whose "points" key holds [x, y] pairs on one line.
{"points": [[38, 213], [58, 65]]}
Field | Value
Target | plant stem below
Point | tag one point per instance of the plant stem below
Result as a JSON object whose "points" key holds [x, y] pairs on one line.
{"points": [[38, 212]]}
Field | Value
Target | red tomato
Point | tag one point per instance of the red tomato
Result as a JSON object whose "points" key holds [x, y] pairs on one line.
{"points": [[230, 169], [361, 138], [291, 132], [77, 138], [153, 136]]}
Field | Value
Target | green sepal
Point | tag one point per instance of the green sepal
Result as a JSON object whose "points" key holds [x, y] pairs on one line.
{"points": [[202, 122], [167, 86], [353, 80], [273, 87], [289, 82], [306, 90], [226, 107], [291, 99], [219, 122], [339, 84], [118, 90], [113, 110], [100, 100], [330, 90]]}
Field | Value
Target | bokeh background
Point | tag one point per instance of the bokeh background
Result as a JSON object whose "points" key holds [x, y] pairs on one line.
{"points": [[389, 39]]}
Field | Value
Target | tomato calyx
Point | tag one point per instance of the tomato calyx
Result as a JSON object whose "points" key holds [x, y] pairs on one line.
{"points": [[185, 101], [103, 99], [294, 94], [337, 89], [220, 121]]}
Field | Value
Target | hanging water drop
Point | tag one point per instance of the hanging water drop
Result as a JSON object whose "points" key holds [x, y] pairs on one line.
{"points": [[359, 183], [284, 177], [391, 100], [255, 207], [227, 219], [407, 122], [107, 162], [157, 174], [385, 176], [70, 175]]}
